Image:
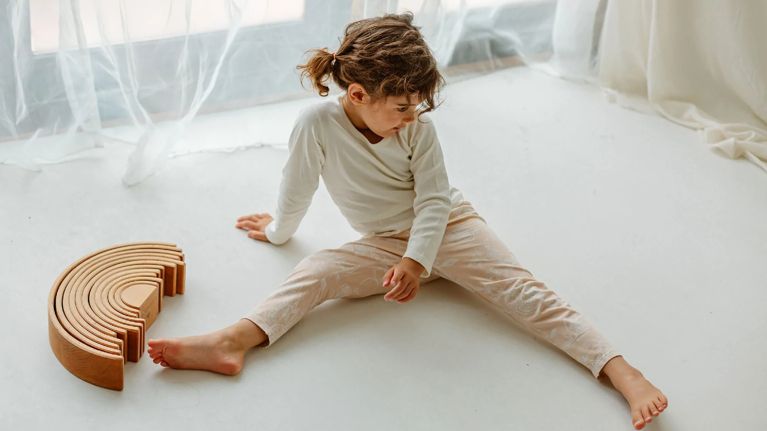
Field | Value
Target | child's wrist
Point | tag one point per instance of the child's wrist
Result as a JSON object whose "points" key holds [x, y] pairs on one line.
{"points": [[413, 265]]}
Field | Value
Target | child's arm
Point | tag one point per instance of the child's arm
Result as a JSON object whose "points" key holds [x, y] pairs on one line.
{"points": [[432, 202], [432, 208], [300, 179]]}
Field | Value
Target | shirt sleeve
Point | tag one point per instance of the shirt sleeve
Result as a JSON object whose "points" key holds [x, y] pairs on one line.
{"points": [[432, 202], [300, 178]]}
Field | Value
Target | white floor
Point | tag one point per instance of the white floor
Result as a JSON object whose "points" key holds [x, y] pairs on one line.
{"points": [[658, 240]]}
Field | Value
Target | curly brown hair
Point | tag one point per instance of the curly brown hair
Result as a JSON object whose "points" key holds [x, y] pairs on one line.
{"points": [[386, 55]]}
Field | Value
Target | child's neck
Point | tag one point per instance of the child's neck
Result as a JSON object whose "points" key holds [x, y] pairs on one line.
{"points": [[353, 115], [358, 123]]}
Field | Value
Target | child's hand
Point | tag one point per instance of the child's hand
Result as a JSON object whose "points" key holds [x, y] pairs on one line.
{"points": [[405, 277], [255, 224]]}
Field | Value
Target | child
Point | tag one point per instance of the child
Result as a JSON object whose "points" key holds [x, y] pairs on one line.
{"points": [[382, 165]]}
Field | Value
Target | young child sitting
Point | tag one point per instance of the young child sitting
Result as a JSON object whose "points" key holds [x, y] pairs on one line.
{"points": [[382, 164]]}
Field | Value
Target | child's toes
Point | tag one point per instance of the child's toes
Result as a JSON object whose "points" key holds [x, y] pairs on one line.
{"points": [[646, 414], [637, 420], [664, 400], [658, 406]]}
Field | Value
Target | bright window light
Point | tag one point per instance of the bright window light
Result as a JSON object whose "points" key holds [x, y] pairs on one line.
{"points": [[141, 20], [451, 5]]}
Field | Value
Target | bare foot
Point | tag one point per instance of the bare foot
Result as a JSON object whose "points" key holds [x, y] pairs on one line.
{"points": [[645, 400], [222, 351]]}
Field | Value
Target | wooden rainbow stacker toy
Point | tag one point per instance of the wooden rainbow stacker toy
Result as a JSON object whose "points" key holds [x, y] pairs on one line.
{"points": [[101, 306]]}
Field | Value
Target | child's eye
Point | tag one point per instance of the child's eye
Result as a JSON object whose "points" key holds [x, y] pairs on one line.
{"points": [[402, 109]]}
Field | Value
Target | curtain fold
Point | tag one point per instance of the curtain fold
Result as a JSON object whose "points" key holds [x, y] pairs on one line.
{"points": [[575, 38], [699, 63]]}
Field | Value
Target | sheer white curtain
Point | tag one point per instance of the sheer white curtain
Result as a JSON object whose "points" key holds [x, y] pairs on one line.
{"points": [[700, 63], [76, 74]]}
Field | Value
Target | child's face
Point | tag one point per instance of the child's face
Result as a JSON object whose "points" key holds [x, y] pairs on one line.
{"points": [[386, 117]]}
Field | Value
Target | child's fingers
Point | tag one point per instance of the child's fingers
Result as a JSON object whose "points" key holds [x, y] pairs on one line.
{"points": [[399, 286], [391, 294], [411, 286], [255, 234], [253, 216], [249, 225], [387, 276], [410, 296], [245, 222], [404, 292]]}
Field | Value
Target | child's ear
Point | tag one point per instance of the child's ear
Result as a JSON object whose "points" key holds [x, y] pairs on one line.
{"points": [[357, 94]]}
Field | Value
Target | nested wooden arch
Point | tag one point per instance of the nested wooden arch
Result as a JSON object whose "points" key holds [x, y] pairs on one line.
{"points": [[100, 307]]}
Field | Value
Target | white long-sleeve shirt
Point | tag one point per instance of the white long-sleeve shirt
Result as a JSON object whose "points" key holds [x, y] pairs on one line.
{"points": [[382, 189]]}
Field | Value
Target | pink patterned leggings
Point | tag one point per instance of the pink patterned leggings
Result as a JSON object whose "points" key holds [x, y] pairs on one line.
{"points": [[471, 255]]}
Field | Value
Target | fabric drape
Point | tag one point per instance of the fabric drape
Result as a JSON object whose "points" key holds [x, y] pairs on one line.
{"points": [[700, 63]]}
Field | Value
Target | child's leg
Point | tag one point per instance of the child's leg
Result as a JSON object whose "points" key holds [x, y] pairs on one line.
{"points": [[475, 258], [354, 270], [472, 256]]}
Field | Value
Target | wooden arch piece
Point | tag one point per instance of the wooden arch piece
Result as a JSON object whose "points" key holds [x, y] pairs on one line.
{"points": [[101, 306]]}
